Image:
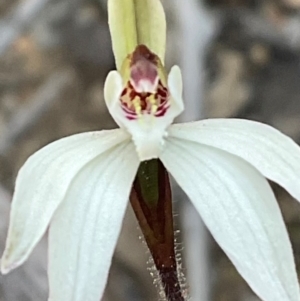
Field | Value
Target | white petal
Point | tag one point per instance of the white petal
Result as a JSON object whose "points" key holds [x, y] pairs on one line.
{"points": [[112, 92], [85, 228], [42, 184], [175, 88], [148, 131], [239, 208], [275, 155]]}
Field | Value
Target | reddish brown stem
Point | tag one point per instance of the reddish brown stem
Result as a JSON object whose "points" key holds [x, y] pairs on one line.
{"points": [[156, 222]]}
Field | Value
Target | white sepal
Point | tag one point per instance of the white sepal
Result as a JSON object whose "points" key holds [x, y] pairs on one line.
{"points": [[85, 228], [41, 186], [274, 154], [239, 208], [148, 131]]}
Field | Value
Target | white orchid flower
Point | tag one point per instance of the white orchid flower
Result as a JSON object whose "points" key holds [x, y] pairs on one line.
{"points": [[80, 185]]}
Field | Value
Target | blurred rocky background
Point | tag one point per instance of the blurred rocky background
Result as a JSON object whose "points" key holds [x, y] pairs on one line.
{"points": [[54, 56]]}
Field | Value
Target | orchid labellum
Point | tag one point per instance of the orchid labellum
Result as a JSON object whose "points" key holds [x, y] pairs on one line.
{"points": [[80, 185]]}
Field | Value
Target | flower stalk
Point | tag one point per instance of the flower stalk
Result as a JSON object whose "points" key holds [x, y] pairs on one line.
{"points": [[151, 200]]}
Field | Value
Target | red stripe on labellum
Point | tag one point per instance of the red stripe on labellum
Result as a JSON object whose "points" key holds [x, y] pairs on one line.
{"points": [[161, 112], [124, 92]]}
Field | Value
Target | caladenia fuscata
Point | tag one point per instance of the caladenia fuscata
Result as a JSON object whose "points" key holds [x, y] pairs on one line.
{"points": [[80, 185]]}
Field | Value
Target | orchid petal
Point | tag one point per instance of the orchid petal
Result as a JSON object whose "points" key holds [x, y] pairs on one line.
{"points": [[148, 131], [135, 22], [238, 206], [275, 155], [175, 88], [85, 228], [41, 185]]}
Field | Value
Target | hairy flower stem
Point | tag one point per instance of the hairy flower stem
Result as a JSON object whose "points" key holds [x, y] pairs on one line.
{"points": [[151, 201]]}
